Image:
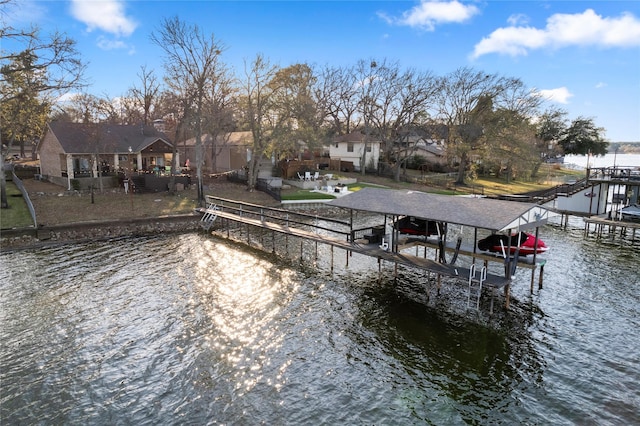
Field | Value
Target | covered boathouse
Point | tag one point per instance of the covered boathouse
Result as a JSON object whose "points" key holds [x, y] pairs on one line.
{"points": [[465, 220]]}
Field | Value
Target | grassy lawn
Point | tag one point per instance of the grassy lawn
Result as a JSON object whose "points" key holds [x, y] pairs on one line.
{"points": [[308, 194], [52, 208], [17, 215], [548, 176], [305, 194]]}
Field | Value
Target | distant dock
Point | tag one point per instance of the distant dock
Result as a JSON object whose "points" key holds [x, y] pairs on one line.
{"points": [[616, 230]]}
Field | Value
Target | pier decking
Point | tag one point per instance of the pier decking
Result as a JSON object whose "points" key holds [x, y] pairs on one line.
{"points": [[341, 233], [612, 229]]}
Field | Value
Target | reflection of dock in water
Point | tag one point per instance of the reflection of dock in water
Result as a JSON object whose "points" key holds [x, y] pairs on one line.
{"points": [[393, 247]]}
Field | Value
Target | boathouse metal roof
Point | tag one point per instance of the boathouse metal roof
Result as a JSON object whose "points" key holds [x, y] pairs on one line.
{"points": [[485, 213]]}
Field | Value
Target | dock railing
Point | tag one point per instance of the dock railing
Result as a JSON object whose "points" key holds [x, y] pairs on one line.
{"points": [[282, 217]]}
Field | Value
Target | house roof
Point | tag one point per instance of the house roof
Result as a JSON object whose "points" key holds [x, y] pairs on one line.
{"points": [[235, 139], [355, 136], [494, 215], [81, 138]]}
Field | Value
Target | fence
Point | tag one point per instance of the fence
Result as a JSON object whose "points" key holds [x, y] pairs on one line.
{"points": [[25, 195], [261, 185]]}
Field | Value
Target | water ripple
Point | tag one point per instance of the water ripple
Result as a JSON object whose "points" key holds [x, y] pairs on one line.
{"points": [[192, 330]]}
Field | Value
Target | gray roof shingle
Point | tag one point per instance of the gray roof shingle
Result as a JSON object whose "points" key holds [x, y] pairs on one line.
{"points": [[80, 138], [495, 215]]}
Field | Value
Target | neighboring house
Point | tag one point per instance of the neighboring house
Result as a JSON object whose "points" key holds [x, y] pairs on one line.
{"points": [[228, 153], [350, 148], [75, 150], [432, 150]]}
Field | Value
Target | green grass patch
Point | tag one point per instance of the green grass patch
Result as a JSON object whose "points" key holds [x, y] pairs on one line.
{"points": [[359, 185], [303, 194], [306, 194], [17, 215]]}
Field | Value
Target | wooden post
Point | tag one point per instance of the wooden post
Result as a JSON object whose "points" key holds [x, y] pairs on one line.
{"points": [[506, 295], [540, 277], [493, 293], [533, 273], [332, 261], [535, 250]]}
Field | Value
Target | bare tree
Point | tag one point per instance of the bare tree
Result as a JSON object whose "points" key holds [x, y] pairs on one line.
{"points": [[191, 64], [219, 111], [146, 94], [403, 98], [175, 107], [509, 129], [256, 104], [463, 99], [336, 95], [370, 86], [55, 66], [80, 108]]}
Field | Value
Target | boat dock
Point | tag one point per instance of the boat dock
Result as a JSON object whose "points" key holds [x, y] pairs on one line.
{"points": [[263, 224], [612, 229]]}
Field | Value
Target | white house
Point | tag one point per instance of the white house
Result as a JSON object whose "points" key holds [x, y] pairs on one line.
{"points": [[351, 147]]}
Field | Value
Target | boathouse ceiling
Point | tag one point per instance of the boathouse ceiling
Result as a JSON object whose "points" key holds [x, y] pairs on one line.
{"points": [[494, 215]]}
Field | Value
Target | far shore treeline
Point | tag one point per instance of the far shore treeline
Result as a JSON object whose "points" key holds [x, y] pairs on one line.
{"points": [[485, 122]]}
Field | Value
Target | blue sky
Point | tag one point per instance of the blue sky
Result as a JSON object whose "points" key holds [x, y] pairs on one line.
{"points": [[585, 56]]}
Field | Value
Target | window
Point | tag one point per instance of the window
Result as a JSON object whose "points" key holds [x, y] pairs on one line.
{"points": [[368, 148], [349, 146]]}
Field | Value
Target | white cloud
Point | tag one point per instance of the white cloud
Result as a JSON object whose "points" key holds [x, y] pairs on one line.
{"points": [[106, 15], [600, 85], [518, 19], [428, 14], [582, 29], [560, 95]]}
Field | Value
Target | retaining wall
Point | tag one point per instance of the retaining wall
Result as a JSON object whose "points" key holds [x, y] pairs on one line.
{"points": [[93, 231]]}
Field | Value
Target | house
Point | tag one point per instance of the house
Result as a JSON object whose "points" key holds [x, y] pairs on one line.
{"points": [[228, 153], [77, 151], [433, 151], [350, 148]]}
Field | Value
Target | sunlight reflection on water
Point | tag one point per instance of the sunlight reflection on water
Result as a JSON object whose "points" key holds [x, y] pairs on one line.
{"points": [[190, 329]]}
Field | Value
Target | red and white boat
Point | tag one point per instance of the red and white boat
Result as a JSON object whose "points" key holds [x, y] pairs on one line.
{"points": [[523, 243]]}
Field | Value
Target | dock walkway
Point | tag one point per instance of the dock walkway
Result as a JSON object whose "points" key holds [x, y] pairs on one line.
{"points": [[611, 228], [228, 214], [372, 250]]}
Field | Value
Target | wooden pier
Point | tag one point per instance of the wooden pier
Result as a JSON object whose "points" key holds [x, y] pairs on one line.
{"points": [[224, 215], [612, 229]]}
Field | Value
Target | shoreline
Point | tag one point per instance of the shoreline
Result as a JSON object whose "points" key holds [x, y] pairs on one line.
{"points": [[46, 236]]}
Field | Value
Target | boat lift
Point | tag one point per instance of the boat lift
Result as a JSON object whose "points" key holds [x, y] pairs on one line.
{"points": [[478, 214], [486, 215]]}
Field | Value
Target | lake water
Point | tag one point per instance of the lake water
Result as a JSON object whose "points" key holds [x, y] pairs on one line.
{"points": [[190, 329], [607, 160]]}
